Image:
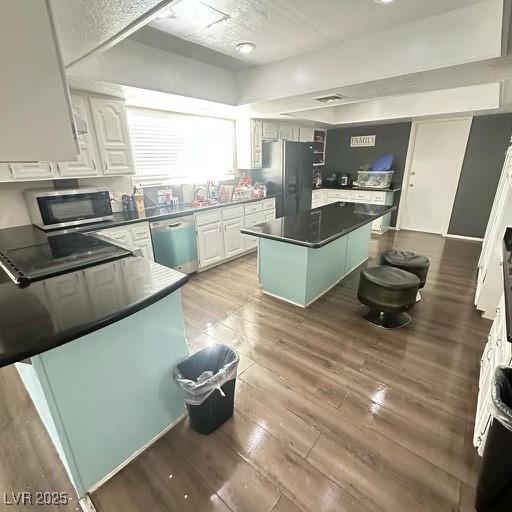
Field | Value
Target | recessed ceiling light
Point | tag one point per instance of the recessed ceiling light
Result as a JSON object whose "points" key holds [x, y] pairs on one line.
{"points": [[245, 47], [382, 1]]}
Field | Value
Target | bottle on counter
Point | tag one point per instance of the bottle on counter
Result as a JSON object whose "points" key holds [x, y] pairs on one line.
{"points": [[138, 198]]}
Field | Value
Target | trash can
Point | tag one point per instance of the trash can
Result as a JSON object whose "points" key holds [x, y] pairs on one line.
{"points": [[494, 488], [207, 379]]}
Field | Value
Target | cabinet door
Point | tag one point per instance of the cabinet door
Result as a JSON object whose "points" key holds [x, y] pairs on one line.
{"points": [[146, 247], [256, 143], [270, 130], [287, 131], [233, 240], [87, 163], [32, 170], [377, 224], [210, 244], [112, 133], [306, 134]]}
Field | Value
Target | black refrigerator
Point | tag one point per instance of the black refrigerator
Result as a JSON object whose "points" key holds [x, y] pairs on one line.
{"points": [[288, 173]]}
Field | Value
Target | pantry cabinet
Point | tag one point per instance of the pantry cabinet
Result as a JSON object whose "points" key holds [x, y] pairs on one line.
{"points": [[111, 127]]}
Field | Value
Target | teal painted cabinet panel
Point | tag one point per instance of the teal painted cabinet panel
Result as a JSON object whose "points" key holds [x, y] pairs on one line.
{"points": [[111, 392], [300, 275], [326, 266], [283, 269]]}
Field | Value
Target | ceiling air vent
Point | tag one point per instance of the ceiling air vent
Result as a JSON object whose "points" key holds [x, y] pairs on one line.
{"points": [[330, 97]]}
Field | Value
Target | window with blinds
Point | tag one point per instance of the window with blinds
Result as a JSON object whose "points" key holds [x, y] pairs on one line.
{"points": [[177, 148]]}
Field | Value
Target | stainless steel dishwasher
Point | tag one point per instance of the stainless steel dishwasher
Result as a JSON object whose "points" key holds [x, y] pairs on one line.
{"points": [[175, 243]]}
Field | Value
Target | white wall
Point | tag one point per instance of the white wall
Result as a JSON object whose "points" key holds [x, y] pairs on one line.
{"points": [[13, 210], [456, 37], [138, 65]]}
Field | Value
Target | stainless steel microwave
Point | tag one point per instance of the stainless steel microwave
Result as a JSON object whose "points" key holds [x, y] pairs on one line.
{"points": [[51, 209]]}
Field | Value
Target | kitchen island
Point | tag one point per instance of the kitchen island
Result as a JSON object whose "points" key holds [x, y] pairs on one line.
{"points": [[95, 348], [302, 256]]}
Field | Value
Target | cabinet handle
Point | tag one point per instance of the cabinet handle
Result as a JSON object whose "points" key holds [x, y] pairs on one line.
{"points": [[105, 164], [497, 310], [489, 354], [10, 168], [58, 166], [94, 165]]}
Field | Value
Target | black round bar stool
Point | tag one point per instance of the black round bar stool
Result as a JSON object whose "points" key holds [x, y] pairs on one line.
{"points": [[389, 293], [410, 261]]}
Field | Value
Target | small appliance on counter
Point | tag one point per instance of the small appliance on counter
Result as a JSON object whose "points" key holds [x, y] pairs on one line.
{"points": [[344, 180], [330, 181], [52, 209]]}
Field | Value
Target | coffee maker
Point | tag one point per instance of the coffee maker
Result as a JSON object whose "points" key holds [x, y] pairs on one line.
{"points": [[344, 179]]}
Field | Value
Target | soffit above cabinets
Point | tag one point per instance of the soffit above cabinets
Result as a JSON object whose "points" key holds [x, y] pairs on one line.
{"points": [[84, 26], [284, 28]]}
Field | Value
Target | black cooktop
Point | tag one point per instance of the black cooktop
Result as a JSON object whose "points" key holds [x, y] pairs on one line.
{"points": [[45, 256]]}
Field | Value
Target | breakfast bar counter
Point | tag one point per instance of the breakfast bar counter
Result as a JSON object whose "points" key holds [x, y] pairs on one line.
{"points": [[302, 256]]}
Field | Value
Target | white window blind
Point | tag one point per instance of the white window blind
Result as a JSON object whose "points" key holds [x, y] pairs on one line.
{"points": [[178, 148]]}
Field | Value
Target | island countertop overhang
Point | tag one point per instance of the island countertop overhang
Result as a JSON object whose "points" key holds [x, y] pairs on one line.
{"points": [[321, 226]]}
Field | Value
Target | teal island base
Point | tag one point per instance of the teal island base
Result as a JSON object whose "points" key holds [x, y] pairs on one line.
{"points": [[300, 275]]}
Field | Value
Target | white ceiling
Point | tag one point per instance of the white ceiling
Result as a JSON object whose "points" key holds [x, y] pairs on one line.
{"points": [[284, 28], [84, 26]]}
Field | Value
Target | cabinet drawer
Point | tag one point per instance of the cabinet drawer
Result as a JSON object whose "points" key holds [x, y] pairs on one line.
{"points": [[232, 213], [339, 195], [269, 204], [362, 195], [208, 218], [253, 219], [251, 208], [121, 235], [379, 197], [141, 231]]}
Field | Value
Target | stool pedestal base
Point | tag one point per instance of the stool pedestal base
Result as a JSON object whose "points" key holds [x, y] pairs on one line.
{"points": [[387, 320]]}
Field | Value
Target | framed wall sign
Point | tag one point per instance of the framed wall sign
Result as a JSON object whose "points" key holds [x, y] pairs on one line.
{"points": [[362, 140]]}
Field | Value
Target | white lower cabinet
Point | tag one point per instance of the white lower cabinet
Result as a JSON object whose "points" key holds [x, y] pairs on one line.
{"points": [[233, 241], [137, 235], [210, 244], [269, 215], [497, 351], [322, 197], [251, 220]]}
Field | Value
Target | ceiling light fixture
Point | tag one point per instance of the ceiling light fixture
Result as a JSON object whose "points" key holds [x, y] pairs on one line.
{"points": [[245, 47], [383, 1]]}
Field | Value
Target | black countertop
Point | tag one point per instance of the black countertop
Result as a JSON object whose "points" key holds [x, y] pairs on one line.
{"points": [[156, 213], [50, 313], [392, 188], [507, 278], [318, 227]]}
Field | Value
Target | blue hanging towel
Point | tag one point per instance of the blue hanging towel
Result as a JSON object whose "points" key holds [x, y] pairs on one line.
{"points": [[384, 163]]}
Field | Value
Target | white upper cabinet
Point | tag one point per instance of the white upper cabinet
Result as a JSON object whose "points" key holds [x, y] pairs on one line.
{"points": [[111, 128], [306, 134], [37, 119], [32, 170], [88, 162], [288, 131], [270, 130], [256, 144]]}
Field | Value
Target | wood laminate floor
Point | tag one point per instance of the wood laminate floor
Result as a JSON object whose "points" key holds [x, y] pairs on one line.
{"points": [[332, 413]]}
